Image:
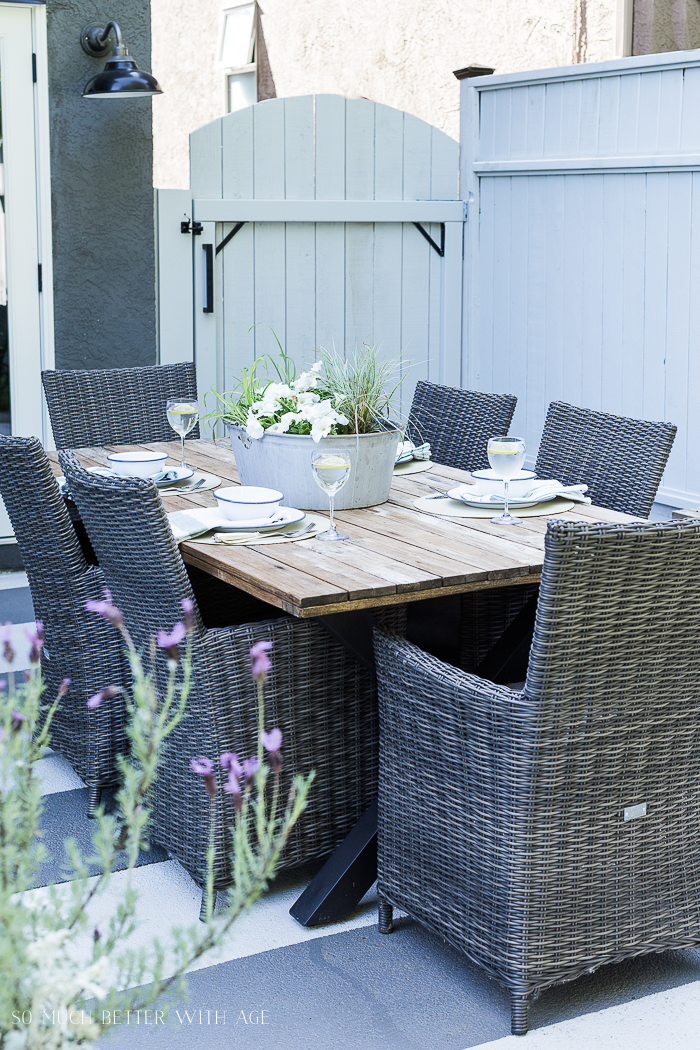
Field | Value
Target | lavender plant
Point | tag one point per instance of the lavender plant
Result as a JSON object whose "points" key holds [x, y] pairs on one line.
{"points": [[54, 965]]}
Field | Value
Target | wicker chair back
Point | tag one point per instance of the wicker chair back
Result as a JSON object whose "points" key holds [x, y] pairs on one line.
{"points": [[317, 693], [115, 406], [128, 527], [61, 581], [550, 831], [620, 459], [458, 423]]}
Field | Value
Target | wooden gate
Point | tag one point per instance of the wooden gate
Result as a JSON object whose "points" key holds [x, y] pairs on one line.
{"points": [[583, 279], [309, 210]]}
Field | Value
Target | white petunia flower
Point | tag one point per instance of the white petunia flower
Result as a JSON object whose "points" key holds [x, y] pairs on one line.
{"points": [[254, 427]]}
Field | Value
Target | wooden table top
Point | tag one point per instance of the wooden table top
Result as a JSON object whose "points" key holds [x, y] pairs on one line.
{"points": [[395, 553]]}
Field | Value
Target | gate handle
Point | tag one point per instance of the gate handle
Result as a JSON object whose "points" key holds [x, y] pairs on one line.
{"points": [[208, 307]]}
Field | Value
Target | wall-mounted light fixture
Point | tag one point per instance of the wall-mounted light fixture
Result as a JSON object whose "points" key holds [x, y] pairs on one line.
{"points": [[121, 77]]}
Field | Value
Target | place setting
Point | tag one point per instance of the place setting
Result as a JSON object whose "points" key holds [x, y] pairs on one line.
{"points": [[252, 515], [504, 485]]}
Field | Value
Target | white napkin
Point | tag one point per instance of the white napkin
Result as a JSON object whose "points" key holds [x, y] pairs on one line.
{"points": [[186, 524], [539, 491], [408, 451]]}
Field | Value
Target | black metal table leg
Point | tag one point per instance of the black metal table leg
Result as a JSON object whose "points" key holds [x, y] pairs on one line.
{"points": [[344, 879], [351, 869]]}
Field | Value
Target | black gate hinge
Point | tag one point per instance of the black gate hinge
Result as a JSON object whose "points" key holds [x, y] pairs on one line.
{"points": [[40, 281], [191, 227], [34, 69]]}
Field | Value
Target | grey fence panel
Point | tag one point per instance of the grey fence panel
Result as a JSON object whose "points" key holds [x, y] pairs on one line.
{"points": [[583, 276]]}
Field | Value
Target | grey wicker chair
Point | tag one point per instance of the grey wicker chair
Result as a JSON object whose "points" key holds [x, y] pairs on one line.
{"points": [[512, 823], [621, 460], [321, 698], [458, 423], [61, 581], [115, 406]]}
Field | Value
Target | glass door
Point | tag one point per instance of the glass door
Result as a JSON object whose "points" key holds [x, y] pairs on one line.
{"points": [[25, 266]]}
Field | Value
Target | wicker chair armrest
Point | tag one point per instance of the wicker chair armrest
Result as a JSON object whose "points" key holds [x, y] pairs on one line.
{"points": [[475, 695]]}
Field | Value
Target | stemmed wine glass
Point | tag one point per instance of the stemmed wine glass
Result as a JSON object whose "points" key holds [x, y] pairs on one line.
{"points": [[183, 414], [506, 456], [331, 470]]}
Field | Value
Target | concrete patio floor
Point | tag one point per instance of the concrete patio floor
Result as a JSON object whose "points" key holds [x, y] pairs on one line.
{"points": [[276, 984]]}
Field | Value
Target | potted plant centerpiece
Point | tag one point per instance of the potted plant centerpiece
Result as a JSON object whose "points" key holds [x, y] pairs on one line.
{"points": [[274, 426]]}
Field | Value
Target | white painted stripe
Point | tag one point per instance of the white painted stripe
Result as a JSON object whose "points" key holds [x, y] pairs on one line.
{"points": [[55, 773], [12, 580], [654, 1022], [168, 897]]}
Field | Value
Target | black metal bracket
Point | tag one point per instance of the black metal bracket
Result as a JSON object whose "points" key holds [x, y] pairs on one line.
{"points": [[191, 227], [440, 249], [229, 237]]}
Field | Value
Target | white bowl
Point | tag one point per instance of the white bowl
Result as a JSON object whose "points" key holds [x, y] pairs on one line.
{"points": [[137, 464], [242, 502], [486, 483]]}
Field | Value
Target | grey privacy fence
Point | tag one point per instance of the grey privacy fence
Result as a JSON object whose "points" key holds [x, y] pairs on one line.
{"points": [[329, 221], [582, 280]]}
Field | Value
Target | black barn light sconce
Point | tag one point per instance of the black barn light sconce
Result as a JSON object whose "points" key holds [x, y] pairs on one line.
{"points": [[121, 77]]}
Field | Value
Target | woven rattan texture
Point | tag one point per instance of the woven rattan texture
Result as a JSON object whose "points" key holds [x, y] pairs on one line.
{"points": [[77, 645], [320, 697], [621, 460], [115, 406], [484, 617], [458, 423], [501, 813]]}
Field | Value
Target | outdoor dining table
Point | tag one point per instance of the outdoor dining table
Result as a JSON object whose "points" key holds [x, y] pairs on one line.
{"points": [[394, 554]]}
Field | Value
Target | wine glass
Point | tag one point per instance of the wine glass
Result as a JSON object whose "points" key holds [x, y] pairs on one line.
{"points": [[183, 413], [506, 456], [331, 470]]}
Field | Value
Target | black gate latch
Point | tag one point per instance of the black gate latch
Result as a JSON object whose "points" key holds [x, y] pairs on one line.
{"points": [[191, 227]]}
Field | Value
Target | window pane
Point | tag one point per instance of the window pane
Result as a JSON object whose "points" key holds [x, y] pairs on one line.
{"points": [[237, 46], [242, 90]]}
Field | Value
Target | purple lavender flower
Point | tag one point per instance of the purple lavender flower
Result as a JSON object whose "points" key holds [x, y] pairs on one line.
{"points": [[249, 768], [106, 609], [272, 742], [204, 767], [188, 609], [36, 637], [63, 687], [17, 719], [3, 683], [172, 640], [233, 788], [108, 693], [7, 650], [260, 662], [229, 760], [166, 641]]}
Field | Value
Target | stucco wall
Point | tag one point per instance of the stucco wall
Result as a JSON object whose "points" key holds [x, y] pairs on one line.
{"points": [[399, 52], [102, 196]]}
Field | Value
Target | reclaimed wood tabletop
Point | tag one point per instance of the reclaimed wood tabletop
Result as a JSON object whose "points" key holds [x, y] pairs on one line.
{"points": [[395, 553]]}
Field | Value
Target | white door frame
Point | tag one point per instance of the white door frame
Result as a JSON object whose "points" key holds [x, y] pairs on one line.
{"points": [[26, 163]]}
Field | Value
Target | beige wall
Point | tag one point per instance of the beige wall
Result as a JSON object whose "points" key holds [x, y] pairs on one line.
{"points": [[399, 52]]}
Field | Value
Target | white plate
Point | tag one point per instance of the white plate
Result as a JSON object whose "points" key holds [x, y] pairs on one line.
{"points": [[462, 494], [174, 474], [178, 474], [283, 516]]}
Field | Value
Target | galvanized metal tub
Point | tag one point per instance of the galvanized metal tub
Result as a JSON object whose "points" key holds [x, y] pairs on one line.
{"points": [[283, 462]]}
